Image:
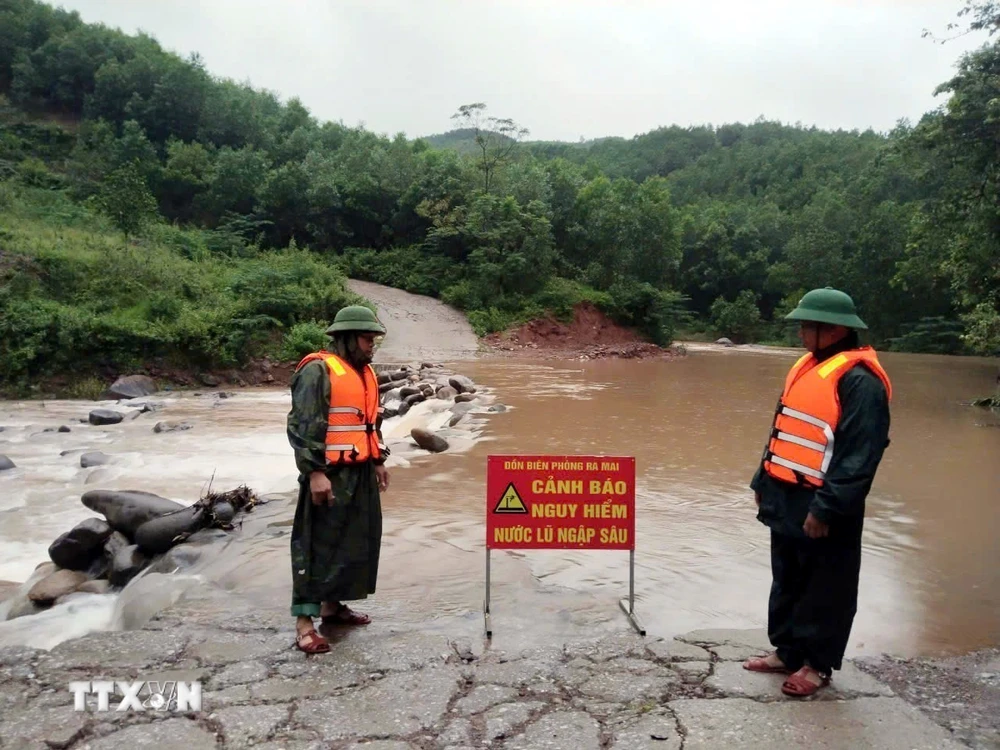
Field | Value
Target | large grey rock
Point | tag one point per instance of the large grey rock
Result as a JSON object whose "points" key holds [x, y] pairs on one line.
{"points": [[55, 585], [446, 393], [428, 440], [127, 510], [105, 416], [80, 546], [157, 535], [181, 557], [94, 458], [206, 536], [6, 463], [127, 564], [131, 386], [116, 542], [462, 384], [741, 724]]}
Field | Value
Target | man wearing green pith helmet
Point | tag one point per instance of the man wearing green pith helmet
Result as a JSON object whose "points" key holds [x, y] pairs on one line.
{"points": [[827, 437], [335, 430]]}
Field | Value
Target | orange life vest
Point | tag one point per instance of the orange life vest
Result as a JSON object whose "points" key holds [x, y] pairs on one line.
{"points": [[802, 435], [354, 410]]}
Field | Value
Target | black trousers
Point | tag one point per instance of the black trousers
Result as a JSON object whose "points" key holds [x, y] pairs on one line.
{"points": [[814, 597]]}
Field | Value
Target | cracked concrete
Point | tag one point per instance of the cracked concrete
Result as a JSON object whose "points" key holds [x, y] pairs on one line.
{"points": [[383, 689]]}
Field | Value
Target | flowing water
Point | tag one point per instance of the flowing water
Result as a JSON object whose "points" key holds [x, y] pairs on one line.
{"points": [[930, 575]]}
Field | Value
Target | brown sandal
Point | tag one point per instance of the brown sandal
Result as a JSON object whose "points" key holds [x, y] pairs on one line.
{"points": [[759, 664], [798, 686], [312, 642], [346, 616]]}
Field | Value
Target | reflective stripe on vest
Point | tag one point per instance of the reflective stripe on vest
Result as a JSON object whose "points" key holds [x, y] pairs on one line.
{"points": [[802, 442], [353, 412]]}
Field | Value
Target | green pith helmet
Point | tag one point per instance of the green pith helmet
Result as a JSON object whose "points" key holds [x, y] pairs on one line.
{"points": [[830, 306], [356, 318]]}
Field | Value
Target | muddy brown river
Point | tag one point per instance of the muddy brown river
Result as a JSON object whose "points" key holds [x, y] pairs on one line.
{"points": [[931, 568]]}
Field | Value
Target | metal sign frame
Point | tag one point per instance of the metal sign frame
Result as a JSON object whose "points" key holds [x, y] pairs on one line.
{"points": [[627, 605]]}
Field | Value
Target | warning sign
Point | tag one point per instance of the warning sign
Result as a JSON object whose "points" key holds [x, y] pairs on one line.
{"points": [[510, 501], [560, 502]]}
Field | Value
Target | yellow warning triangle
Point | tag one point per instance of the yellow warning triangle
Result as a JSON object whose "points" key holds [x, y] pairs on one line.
{"points": [[510, 502]]}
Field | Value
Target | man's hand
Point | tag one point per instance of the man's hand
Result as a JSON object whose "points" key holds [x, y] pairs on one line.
{"points": [[320, 488], [815, 528], [382, 474]]}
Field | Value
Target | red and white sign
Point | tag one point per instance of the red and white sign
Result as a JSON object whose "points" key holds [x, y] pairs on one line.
{"points": [[560, 502]]}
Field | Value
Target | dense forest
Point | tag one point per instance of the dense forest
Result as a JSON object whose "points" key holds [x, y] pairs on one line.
{"points": [[149, 210]]}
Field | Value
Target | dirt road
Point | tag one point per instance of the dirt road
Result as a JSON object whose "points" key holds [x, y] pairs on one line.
{"points": [[419, 328]]}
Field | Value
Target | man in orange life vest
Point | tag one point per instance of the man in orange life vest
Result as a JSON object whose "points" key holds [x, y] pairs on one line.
{"points": [[334, 427], [827, 438]]}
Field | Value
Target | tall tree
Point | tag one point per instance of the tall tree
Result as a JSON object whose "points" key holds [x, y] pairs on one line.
{"points": [[495, 137]]}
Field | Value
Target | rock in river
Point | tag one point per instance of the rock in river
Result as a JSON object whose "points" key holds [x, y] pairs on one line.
{"points": [[55, 585], [462, 384], [131, 386], [6, 463], [157, 535], [126, 565], [172, 426], [81, 545], [127, 510], [428, 440], [94, 458], [94, 587], [105, 416]]}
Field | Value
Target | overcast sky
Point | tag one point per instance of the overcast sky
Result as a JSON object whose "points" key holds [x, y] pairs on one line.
{"points": [[568, 68]]}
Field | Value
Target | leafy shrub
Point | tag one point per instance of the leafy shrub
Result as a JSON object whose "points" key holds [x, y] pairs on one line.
{"points": [[738, 320], [302, 339]]}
